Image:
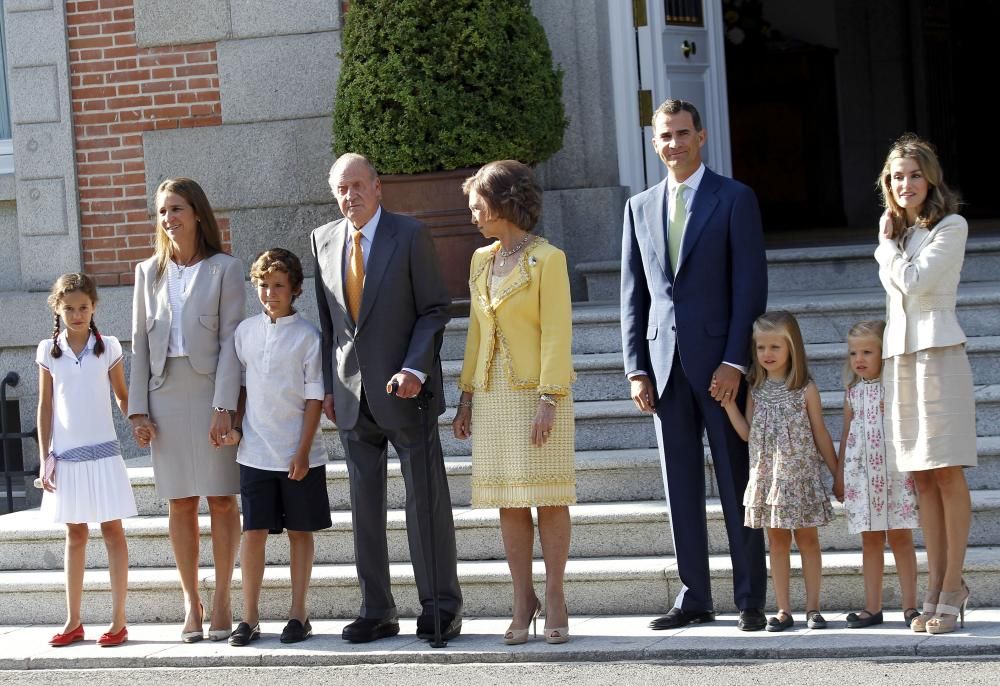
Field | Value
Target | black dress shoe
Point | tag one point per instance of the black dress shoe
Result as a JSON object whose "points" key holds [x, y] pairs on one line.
{"points": [[677, 618], [751, 619], [296, 631], [366, 629], [859, 620], [780, 622], [451, 625], [244, 634]]}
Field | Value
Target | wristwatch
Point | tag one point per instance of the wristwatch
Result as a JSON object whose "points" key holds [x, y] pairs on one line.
{"points": [[548, 399], [221, 410]]}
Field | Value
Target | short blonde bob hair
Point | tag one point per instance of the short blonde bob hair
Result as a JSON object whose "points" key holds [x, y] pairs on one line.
{"points": [[870, 328], [782, 323]]}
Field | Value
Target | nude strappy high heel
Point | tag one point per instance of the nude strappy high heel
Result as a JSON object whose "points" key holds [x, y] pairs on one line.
{"points": [[950, 611], [515, 637], [558, 634], [919, 623]]}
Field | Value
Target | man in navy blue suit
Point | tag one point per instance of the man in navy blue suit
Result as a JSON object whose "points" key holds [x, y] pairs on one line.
{"points": [[694, 278]]}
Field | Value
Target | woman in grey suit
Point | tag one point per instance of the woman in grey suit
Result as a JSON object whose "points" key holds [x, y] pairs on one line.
{"points": [[930, 426], [185, 381]]}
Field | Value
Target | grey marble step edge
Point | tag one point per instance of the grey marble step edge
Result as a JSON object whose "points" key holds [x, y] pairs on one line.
{"points": [[614, 529], [601, 586]]}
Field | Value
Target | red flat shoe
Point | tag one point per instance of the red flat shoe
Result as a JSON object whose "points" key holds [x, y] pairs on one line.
{"points": [[108, 639], [61, 640]]}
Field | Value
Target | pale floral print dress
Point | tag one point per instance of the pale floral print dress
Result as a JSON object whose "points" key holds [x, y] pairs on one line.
{"points": [[876, 497], [785, 490]]}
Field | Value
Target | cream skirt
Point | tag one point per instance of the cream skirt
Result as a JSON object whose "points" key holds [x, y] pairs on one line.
{"points": [[89, 492], [184, 462], [930, 410]]}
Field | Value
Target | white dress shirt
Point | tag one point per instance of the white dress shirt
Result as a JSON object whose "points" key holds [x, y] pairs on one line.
{"points": [[282, 369], [179, 280]]}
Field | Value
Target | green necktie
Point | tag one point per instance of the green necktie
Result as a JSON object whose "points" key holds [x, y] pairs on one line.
{"points": [[675, 232]]}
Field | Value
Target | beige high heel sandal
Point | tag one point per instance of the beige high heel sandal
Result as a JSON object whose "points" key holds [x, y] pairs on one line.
{"points": [[558, 634], [950, 611], [515, 637], [919, 623]]}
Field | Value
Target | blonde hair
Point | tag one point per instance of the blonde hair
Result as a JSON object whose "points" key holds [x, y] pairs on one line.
{"points": [[940, 201], [782, 323], [209, 236], [870, 328]]}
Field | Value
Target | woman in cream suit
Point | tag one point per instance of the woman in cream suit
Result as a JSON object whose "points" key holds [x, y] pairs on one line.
{"points": [[929, 405], [188, 300], [518, 363]]}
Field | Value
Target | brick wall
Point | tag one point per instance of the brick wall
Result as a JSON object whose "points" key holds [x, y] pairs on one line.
{"points": [[119, 90]]}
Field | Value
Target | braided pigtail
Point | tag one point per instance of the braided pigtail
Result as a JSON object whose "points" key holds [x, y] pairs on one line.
{"points": [[98, 341], [56, 350]]}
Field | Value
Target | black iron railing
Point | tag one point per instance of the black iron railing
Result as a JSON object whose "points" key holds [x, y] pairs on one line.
{"points": [[9, 440]]}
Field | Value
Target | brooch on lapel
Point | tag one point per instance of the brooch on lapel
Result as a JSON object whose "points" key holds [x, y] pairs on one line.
{"points": [[213, 269], [532, 260]]}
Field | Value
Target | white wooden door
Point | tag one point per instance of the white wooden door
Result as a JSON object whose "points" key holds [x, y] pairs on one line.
{"points": [[667, 49]]}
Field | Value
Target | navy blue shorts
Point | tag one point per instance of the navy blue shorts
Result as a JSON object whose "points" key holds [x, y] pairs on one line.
{"points": [[274, 502]]}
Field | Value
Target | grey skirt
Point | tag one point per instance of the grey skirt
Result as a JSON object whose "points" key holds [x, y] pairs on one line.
{"points": [[930, 410], [184, 462]]}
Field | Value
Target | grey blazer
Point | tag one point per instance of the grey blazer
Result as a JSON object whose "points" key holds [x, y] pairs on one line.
{"points": [[401, 322], [216, 306]]}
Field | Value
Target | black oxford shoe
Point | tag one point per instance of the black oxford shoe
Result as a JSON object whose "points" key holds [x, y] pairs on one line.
{"points": [[366, 629], [677, 618]]}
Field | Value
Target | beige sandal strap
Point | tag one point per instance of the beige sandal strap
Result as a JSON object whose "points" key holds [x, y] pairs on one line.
{"points": [[947, 609]]}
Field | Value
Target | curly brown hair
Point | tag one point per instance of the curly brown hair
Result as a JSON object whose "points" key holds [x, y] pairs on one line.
{"points": [[509, 189], [281, 260]]}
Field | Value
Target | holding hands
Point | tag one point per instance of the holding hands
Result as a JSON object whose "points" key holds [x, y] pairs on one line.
{"points": [[143, 429], [725, 384]]}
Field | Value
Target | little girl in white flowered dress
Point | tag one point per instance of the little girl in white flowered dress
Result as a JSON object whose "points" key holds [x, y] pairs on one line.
{"points": [[881, 503]]}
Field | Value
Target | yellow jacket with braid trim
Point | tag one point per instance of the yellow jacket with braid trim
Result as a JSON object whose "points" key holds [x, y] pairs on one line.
{"points": [[531, 313]]}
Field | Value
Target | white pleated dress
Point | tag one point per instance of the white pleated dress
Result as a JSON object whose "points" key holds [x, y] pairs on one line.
{"points": [[91, 481]]}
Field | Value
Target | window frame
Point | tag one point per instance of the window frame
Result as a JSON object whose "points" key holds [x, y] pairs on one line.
{"points": [[6, 142]]}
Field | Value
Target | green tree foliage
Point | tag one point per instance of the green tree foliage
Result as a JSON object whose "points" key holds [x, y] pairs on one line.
{"points": [[432, 85]]}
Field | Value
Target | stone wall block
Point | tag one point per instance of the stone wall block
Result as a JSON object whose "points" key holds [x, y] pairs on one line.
{"points": [[34, 94], [179, 23], [42, 206], [241, 166], [256, 230], [280, 77], [252, 18]]}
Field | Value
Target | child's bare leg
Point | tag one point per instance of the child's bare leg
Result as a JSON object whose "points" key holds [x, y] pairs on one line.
{"points": [[252, 572], [302, 552], [73, 563], [807, 541], [901, 542], [872, 565], [117, 547], [779, 543]]}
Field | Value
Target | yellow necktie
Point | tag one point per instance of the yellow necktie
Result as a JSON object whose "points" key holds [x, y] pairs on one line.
{"points": [[675, 232], [355, 277]]}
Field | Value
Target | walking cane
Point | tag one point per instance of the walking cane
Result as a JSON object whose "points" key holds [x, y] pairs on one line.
{"points": [[422, 403]]}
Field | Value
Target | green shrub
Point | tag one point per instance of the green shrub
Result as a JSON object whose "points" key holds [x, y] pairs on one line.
{"points": [[432, 85]]}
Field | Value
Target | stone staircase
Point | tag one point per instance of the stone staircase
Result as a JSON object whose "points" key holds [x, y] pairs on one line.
{"points": [[621, 553]]}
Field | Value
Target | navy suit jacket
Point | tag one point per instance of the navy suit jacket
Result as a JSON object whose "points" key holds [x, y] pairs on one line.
{"points": [[705, 311]]}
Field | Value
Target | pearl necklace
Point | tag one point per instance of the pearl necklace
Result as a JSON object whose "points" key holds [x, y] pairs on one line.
{"points": [[504, 254]]}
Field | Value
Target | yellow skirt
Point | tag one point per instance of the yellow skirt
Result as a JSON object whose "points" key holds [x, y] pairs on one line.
{"points": [[507, 470]]}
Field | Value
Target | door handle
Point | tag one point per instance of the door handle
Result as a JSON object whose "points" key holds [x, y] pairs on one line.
{"points": [[689, 48]]}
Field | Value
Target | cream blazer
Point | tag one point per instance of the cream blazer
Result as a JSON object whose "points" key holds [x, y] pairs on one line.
{"points": [[921, 284], [216, 305]]}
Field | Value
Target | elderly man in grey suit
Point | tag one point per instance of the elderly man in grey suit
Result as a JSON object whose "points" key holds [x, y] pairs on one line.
{"points": [[383, 309]]}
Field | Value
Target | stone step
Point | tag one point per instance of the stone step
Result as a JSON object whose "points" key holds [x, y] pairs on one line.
{"points": [[612, 424], [597, 586], [794, 269], [629, 529], [601, 376]]}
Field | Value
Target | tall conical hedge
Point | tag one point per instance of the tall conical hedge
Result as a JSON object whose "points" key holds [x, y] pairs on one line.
{"points": [[432, 85]]}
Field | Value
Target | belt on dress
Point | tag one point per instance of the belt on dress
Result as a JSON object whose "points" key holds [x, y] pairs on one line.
{"points": [[85, 453]]}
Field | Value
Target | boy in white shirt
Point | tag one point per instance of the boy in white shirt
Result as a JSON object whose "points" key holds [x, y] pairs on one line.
{"points": [[281, 455]]}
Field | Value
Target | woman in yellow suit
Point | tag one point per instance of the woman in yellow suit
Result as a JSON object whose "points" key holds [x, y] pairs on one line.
{"points": [[518, 364]]}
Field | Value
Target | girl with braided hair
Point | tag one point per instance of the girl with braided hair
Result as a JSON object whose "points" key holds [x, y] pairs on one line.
{"points": [[82, 470]]}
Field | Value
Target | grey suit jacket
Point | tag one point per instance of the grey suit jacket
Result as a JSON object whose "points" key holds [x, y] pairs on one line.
{"points": [[401, 322], [216, 305]]}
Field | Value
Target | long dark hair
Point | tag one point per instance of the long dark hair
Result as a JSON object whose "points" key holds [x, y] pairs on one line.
{"points": [[209, 236], [72, 283]]}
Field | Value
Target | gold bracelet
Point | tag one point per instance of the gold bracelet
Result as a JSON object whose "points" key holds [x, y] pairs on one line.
{"points": [[548, 399], [465, 403]]}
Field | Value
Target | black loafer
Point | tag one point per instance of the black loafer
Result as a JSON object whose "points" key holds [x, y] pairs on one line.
{"points": [[677, 618], [244, 634], [751, 619], [864, 618], [776, 623], [366, 629], [296, 631], [451, 625], [814, 620]]}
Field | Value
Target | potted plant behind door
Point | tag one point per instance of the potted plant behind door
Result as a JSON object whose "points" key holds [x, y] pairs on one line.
{"points": [[430, 90]]}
